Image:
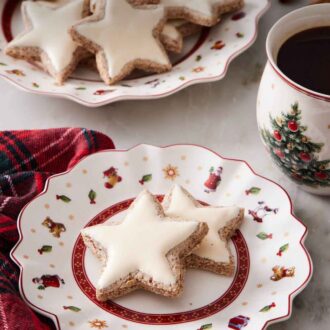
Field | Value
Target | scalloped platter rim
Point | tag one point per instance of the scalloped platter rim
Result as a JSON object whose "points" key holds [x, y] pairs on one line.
{"points": [[58, 274], [200, 62]]}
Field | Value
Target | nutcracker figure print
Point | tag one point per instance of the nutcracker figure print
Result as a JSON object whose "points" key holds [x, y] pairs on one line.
{"points": [[214, 179]]}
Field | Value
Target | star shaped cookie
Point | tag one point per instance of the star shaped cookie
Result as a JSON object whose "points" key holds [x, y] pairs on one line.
{"points": [[46, 38], [146, 250], [123, 37], [174, 31], [213, 254], [201, 12]]}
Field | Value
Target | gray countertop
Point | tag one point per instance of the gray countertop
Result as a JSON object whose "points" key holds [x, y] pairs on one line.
{"points": [[218, 115]]}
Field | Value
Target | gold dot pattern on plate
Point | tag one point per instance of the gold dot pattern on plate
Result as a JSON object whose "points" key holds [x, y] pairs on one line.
{"points": [[124, 326], [47, 206], [51, 265], [145, 158], [84, 171], [274, 293], [183, 157], [286, 234], [228, 194], [187, 181], [69, 297], [245, 303], [199, 168], [126, 164], [68, 185], [71, 324], [33, 230], [60, 243], [264, 260], [26, 256], [259, 286], [71, 216], [40, 296]]}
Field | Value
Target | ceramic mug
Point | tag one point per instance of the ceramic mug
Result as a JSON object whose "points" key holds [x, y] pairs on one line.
{"points": [[294, 122]]}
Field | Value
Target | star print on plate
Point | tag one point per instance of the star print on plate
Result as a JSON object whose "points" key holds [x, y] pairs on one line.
{"points": [[213, 254], [46, 37], [144, 251], [203, 12], [124, 38]]}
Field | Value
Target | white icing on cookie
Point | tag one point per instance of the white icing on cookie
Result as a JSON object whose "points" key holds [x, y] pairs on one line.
{"points": [[171, 32], [93, 5], [201, 7], [184, 206], [140, 242], [125, 34], [49, 31]]}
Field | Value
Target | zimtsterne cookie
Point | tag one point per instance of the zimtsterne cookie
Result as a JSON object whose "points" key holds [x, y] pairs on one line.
{"points": [[46, 38], [146, 250], [213, 254], [174, 31], [170, 36], [138, 45], [201, 12]]}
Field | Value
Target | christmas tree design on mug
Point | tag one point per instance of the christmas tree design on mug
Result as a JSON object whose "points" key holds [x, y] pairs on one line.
{"points": [[294, 152]]}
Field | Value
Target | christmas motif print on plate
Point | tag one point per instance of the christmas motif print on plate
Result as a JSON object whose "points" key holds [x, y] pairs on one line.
{"points": [[59, 274], [205, 57]]}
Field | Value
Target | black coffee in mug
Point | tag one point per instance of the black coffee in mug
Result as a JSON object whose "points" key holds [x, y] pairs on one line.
{"points": [[305, 59]]}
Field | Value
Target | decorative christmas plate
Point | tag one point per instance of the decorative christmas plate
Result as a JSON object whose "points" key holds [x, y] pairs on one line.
{"points": [[205, 58], [58, 274]]}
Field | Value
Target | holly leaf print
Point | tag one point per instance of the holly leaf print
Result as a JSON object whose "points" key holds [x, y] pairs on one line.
{"points": [[282, 249], [263, 236], [206, 326], [145, 178], [45, 249], [267, 308], [92, 196], [72, 308], [253, 191], [63, 198]]}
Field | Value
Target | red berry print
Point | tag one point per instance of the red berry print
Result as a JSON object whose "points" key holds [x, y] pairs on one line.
{"points": [[277, 135], [306, 157], [321, 175], [279, 153], [293, 126]]}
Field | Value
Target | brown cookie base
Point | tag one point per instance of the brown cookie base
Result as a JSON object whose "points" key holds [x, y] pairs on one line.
{"points": [[36, 54], [101, 61], [196, 18], [220, 268], [139, 280]]}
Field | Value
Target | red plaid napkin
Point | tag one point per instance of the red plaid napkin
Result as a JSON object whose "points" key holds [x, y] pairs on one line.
{"points": [[27, 159]]}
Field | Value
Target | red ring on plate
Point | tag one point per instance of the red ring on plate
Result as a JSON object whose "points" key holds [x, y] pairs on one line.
{"points": [[79, 272]]}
